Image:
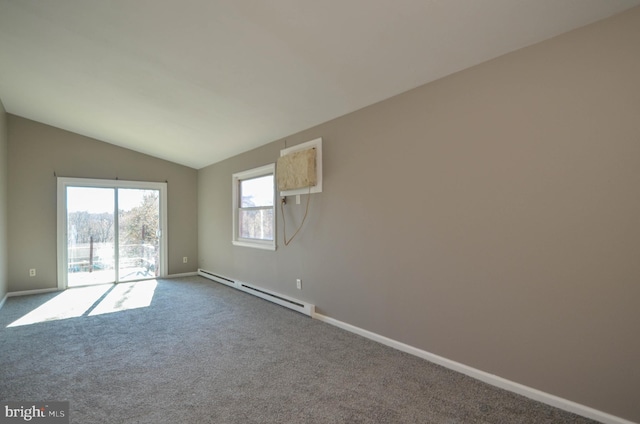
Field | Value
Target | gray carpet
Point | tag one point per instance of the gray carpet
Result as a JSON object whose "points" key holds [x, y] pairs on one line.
{"points": [[206, 353]]}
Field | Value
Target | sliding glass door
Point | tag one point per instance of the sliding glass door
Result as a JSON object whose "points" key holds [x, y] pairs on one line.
{"points": [[138, 233], [110, 231]]}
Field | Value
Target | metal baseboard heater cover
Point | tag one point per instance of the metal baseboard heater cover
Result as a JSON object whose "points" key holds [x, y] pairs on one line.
{"points": [[280, 299]]}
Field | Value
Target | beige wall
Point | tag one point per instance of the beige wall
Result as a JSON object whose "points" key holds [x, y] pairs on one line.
{"points": [[490, 217], [36, 151], [4, 272]]}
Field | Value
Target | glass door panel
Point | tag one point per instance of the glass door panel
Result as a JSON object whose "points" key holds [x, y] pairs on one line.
{"points": [[138, 233], [90, 236]]}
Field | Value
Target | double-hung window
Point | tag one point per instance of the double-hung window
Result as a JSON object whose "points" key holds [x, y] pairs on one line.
{"points": [[254, 217]]}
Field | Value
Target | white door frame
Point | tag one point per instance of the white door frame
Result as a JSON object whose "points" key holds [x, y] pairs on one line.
{"points": [[64, 182]]}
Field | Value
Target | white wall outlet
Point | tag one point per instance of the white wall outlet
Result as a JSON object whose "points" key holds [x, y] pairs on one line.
{"points": [[32, 272], [298, 284], [185, 260]]}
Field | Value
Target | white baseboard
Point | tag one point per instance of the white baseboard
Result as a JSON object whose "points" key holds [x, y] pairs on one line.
{"points": [[28, 292], [483, 376], [4, 299], [184, 274]]}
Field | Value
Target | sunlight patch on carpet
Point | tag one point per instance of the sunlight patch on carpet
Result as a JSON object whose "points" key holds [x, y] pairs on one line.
{"points": [[70, 303], [126, 296], [91, 301]]}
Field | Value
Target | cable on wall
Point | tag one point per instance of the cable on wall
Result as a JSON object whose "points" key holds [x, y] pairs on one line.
{"points": [[284, 221]]}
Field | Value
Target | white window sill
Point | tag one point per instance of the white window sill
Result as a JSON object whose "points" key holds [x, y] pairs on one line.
{"points": [[255, 244]]}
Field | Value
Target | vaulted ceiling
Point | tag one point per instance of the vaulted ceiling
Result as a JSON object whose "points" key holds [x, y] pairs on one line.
{"points": [[198, 81]]}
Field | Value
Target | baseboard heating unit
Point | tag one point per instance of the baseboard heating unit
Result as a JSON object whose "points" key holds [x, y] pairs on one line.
{"points": [[280, 299]]}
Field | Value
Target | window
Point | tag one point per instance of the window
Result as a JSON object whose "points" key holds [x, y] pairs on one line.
{"points": [[254, 208]]}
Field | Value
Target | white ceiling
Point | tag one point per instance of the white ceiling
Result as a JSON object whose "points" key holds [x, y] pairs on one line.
{"points": [[198, 81]]}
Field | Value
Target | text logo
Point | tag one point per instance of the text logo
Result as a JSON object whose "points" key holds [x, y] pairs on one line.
{"points": [[34, 412]]}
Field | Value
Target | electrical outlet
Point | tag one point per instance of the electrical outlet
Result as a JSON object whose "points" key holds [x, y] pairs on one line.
{"points": [[298, 284], [32, 272], [185, 260]]}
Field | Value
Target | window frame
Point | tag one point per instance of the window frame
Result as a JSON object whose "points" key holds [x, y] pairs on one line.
{"points": [[61, 220], [236, 179]]}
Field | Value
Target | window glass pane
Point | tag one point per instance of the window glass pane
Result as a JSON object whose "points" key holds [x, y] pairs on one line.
{"points": [[90, 238], [256, 191], [139, 233], [256, 224]]}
